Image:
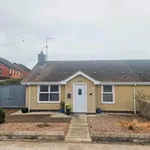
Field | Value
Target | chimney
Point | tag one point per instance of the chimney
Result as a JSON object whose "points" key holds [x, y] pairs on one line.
{"points": [[41, 58]]}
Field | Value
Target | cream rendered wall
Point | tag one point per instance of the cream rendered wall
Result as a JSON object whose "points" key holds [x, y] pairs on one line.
{"points": [[38, 106]]}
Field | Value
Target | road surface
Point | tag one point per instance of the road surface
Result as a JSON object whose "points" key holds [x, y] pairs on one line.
{"points": [[22, 145]]}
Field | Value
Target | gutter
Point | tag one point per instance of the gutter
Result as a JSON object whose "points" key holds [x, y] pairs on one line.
{"points": [[134, 100], [29, 99], [98, 83]]}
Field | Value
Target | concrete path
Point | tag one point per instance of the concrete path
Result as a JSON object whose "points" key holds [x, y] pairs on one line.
{"points": [[78, 130], [53, 114]]}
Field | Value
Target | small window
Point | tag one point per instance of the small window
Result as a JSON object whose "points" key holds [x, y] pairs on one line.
{"points": [[79, 91], [54, 88], [107, 88], [108, 94], [44, 97], [54, 96], [44, 88]]}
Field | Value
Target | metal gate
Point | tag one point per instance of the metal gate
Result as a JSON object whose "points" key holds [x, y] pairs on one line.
{"points": [[12, 96]]}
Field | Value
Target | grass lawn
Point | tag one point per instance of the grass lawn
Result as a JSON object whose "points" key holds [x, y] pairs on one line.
{"points": [[118, 124]]}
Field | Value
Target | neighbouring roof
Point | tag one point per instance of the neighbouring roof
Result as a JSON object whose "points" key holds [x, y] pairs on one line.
{"points": [[8, 64], [100, 70], [23, 67]]}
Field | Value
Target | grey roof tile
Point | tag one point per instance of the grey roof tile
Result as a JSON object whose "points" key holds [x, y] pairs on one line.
{"points": [[101, 70]]}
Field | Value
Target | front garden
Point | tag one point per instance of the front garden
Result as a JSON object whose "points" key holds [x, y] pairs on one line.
{"points": [[34, 124], [119, 124]]}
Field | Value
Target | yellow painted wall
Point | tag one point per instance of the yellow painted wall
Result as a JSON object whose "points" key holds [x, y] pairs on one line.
{"points": [[90, 89], [38, 106], [123, 99], [145, 89], [123, 96]]}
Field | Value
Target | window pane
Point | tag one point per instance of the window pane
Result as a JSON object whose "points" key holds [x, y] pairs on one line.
{"points": [[79, 91], [54, 88], [107, 88], [54, 97], [44, 88], [43, 97], [107, 97]]}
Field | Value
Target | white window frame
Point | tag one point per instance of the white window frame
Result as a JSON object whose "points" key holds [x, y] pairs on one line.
{"points": [[113, 93], [44, 102]]}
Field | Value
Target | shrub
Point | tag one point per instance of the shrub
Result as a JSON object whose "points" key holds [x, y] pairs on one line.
{"points": [[2, 116], [68, 106], [11, 81], [24, 110], [142, 99], [62, 104]]}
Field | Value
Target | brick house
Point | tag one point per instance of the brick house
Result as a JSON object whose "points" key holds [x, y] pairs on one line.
{"points": [[24, 70], [8, 70]]}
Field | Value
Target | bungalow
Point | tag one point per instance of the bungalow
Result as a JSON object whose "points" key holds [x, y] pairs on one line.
{"points": [[86, 85]]}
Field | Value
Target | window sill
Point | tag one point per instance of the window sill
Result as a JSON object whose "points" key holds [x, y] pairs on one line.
{"points": [[48, 102], [108, 102]]}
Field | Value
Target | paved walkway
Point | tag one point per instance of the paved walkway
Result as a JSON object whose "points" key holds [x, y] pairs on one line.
{"points": [[52, 113], [78, 130]]}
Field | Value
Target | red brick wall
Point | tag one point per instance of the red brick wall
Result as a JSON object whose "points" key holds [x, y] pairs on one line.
{"points": [[16, 74], [5, 70], [25, 74]]}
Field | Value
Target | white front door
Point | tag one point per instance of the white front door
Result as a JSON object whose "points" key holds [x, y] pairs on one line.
{"points": [[79, 99]]}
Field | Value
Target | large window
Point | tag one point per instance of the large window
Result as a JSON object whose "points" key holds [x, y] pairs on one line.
{"points": [[49, 93], [108, 94]]}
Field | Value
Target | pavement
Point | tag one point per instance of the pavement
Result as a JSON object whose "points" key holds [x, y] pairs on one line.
{"points": [[27, 145], [56, 114], [78, 129]]}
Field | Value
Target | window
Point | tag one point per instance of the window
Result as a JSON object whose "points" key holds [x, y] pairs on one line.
{"points": [[79, 91], [0, 71], [108, 94], [49, 93]]}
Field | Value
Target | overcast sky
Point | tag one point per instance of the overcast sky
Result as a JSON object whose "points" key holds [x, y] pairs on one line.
{"points": [[82, 29]]}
